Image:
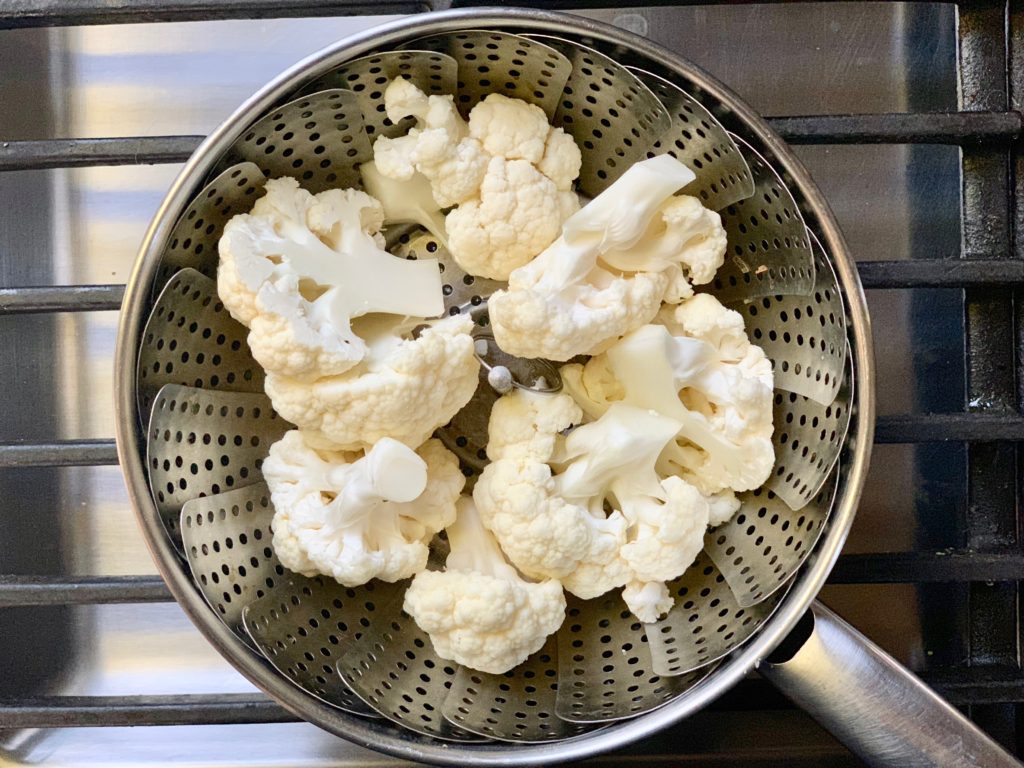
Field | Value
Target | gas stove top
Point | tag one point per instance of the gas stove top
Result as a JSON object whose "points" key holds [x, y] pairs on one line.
{"points": [[905, 115]]}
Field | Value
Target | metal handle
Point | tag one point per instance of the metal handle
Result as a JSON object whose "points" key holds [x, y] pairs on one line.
{"points": [[872, 704]]}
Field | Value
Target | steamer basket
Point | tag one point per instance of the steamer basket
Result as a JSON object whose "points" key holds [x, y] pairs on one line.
{"points": [[350, 660]]}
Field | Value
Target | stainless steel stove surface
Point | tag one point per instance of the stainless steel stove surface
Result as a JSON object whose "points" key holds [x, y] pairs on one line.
{"points": [[89, 642]]}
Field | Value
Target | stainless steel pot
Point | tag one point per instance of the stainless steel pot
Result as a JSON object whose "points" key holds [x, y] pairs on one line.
{"points": [[876, 707]]}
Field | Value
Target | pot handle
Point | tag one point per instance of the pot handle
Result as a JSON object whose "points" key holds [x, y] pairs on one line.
{"points": [[872, 704]]}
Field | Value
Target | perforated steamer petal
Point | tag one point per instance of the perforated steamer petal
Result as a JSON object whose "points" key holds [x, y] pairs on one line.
{"points": [[736, 118]]}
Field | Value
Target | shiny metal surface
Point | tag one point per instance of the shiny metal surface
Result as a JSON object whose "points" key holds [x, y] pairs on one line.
{"points": [[204, 442], [191, 339], [403, 743], [893, 201], [876, 707], [215, 531]]}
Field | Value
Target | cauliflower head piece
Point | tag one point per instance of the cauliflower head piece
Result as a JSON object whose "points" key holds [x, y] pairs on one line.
{"points": [[359, 515], [479, 611], [517, 130], [617, 259], [406, 387], [589, 509], [518, 213], [684, 238], [524, 196], [700, 369], [611, 464], [439, 146], [543, 535], [300, 268]]}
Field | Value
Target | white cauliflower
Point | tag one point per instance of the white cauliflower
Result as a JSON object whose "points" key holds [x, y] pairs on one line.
{"points": [[519, 213], [589, 509], [648, 601], [439, 146], [700, 369], [405, 388], [567, 301], [405, 201], [562, 159], [543, 535], [479, 611], [611, 464], [507, 170], [300, 268], [355, 516], [517, 130], [511, 128], [519, 209], [683, 237]]}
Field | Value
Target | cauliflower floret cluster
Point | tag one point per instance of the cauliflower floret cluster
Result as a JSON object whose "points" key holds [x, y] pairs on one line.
{"points": [[331, 314], [479, 611], [698, 367], [618, 259], [589, 509], [360, 515], [610, 484], [507, 171]]}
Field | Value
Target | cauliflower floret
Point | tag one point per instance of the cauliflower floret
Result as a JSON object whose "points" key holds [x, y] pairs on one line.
{"points": [[684, 237], [439, 146], [518, 214], [700, 369], [562, 159], [355, 516], [526, 424], [405, 388], [519, 209], [589, 509], [543, 535], [610, 464], [300, 267], [567, 301], [721, 507], [648, 601], [537, 318], [511, 128], [479, 611]]}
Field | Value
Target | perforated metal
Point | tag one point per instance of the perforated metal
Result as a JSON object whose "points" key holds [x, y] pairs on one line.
{"points": [[605, 670], [518, 706], [191, 339], [613, 117], [808, 439], [498, 62], [226, 539], [304, 626], [368, 77], [767, 541], [699, 141], [395, 671], [201, 442], [193, 240], [805, 336], [769, 250], [706, 622], [318, 139]]}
